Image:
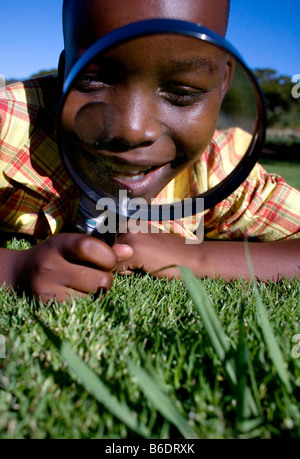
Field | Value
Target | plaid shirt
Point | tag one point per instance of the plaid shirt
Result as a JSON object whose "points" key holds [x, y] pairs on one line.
{"points": [[38, 198]]}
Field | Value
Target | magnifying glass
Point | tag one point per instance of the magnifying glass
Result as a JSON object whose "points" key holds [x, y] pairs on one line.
{"points": [[159, 120]]}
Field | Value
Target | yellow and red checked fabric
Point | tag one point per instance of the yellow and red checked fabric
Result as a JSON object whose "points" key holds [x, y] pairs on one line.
{"points": [[38, 198], [264, 208], [36, 195]]}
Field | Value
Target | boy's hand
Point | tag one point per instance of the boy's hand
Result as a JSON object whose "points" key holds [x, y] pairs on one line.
{"points": [[65, 265], [157, 254]]}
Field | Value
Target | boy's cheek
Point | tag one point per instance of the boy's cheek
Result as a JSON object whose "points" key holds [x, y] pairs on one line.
{"points": [[196, 130], [196, 141]]}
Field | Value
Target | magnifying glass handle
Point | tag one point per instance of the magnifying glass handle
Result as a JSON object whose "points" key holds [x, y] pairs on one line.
{"points": [[103, 226], [107, 238]]}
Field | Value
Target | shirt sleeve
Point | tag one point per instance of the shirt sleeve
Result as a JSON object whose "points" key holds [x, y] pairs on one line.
{"points": [[37, 197], [264, 208]]}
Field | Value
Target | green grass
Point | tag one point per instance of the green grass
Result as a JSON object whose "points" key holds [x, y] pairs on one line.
{"points": [[289, 170], [149, 361]]}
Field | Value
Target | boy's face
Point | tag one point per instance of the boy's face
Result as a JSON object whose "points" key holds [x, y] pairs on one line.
{"points": [[165, 91]]}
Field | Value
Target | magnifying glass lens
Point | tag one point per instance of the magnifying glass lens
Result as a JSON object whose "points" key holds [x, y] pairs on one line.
{"points": [[160, 118]]}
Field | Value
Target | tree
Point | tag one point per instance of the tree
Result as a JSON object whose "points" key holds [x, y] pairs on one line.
{"points": [[44, 73], [282, 109]]}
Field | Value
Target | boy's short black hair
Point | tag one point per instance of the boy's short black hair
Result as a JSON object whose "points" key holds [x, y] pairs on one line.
{"points": [[69, 3], [227, 11]]}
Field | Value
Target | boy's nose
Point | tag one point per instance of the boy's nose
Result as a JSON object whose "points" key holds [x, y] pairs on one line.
{"points": [[136, 123]]}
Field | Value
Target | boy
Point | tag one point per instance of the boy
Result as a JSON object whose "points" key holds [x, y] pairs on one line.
{"points": [[42, 199]]}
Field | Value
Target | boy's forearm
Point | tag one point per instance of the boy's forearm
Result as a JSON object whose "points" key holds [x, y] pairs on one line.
{"points": [[160, 254], [270, 261]]}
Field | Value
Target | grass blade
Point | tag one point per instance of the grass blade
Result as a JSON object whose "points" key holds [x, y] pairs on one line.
{"points": [[160, 400], [211, 322], [272, 345], [270, 340], [254, 386], [245, 402], [241, 371], [93, 383], [215, 331]]}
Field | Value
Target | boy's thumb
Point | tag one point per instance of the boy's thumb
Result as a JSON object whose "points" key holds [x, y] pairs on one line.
{"points": [[123, 251]]}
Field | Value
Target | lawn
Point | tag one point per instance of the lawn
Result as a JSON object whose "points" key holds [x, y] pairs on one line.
{"points": [[289, 170], [282, 156], [154, 359]]}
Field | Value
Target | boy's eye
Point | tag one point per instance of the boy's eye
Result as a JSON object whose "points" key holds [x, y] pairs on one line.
{"points": [[90, 83], [182, 95]]}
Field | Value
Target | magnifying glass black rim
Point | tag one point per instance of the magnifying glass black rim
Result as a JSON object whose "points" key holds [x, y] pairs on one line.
{"points": [[212, 196]]}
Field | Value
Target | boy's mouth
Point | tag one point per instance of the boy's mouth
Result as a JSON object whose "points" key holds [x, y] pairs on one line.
{"points": [[126, 172], [111, 173], [139, 179]]}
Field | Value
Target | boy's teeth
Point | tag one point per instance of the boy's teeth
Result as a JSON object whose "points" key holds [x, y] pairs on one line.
{"points": [[126, 172], [131, 176]]}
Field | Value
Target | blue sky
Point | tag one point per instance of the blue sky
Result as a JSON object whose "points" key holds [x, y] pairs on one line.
{"points": [[266, 33]]}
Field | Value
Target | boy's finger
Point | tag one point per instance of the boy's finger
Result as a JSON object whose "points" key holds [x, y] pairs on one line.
{"points": [[123, 251], [62, 294], [81, 282], [89, 250], [86, 279], [124, 272], [70, 294]]}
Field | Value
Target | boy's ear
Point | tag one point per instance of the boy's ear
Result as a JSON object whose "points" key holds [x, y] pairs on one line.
{"points": [[229, 74], [62, 67]]}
